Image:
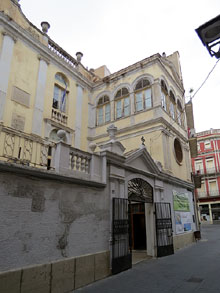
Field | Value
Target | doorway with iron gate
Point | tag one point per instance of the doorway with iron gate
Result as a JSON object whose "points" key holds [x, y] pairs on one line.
{"points": [[129, 224], [140, 195]]}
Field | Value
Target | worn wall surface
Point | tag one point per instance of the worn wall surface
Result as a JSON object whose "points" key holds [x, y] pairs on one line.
{"points": [[45, 220]]}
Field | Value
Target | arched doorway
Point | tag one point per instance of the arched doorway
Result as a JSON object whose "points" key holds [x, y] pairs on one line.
{"points": [[140, 192]]}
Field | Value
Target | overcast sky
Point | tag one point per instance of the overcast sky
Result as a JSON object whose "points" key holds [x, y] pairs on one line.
{"points": [[118, 33]]}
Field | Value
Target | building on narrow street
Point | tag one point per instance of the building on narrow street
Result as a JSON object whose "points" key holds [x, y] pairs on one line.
{"points": [[93, 165], [207, 164]]}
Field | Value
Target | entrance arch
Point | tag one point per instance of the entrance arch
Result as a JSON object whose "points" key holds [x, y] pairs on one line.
{"points": [[140, 197]]}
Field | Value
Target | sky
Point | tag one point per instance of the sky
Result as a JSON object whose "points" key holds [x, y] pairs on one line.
{"points": [[118, 33]]}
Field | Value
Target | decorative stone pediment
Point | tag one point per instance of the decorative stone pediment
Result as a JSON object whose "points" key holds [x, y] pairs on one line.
{"points": [[142, 160]]}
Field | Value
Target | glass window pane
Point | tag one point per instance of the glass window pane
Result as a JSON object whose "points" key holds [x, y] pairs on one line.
{"points": [[63, 97], [172, 110], [100, 116], [118, 109], [163, 101], [107, 113], [56, 97], [126, 106], [139, 101], [147, 94]]}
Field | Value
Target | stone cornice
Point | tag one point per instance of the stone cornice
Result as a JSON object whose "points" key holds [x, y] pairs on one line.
{"points": [[18, 32], [141, 125], [46, 174]]}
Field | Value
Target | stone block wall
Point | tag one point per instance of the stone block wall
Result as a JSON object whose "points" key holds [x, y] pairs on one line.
{"points": [[57, 277]]}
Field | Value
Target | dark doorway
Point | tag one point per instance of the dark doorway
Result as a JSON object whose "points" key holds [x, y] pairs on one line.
{"points": [[139, 231], [138, 226]]}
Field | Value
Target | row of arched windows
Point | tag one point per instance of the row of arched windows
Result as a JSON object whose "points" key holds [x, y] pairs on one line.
{"points": [[171, 105], [142, 101]]}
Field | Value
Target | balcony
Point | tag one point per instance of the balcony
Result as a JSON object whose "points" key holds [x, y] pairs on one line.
{"points": [[206, 171], [205, 194], [59, 116], [25, 149]]}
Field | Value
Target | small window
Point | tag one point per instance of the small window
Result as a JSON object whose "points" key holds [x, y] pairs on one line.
{"points": [[178, 150], [207, 144]]}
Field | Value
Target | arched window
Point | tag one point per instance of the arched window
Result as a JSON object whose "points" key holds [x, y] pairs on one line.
{"points": [[164, 95], [103, 110], [172, 105], [143, 98], [122, 103], [179, 112], [60, 93]]}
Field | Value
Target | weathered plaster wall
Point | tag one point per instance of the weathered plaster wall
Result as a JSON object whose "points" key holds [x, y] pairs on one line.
{"points": [[45, 220]]}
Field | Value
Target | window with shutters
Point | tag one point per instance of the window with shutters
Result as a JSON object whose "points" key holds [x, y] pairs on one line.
{"points": [[213, 189], [199, 166], [143, 95], [210, 166]]}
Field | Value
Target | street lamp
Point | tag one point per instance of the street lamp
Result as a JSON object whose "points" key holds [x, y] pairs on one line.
{"points": [[209, 34]]}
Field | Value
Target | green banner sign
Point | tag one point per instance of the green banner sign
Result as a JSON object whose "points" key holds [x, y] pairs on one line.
{"points": [[181, 202]]}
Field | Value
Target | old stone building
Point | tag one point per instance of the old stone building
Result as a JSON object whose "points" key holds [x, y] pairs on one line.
{"points": [[94, 167]]}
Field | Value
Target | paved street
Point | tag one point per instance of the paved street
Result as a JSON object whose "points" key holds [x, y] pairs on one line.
{"points": [[192, 269]]}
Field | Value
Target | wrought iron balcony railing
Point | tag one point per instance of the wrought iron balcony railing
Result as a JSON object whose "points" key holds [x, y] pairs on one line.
{"points": [[206, 171], [204, 194], [22, 148]]}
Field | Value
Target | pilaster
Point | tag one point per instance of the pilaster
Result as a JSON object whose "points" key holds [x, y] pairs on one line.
{"points": [[40, 95], [78, 122], [5, 67]]}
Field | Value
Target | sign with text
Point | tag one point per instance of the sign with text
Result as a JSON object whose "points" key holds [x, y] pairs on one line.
{"points": [[183, 218]]}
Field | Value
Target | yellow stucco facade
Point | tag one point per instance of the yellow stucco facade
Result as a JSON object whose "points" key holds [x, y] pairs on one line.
{"points": [[42, 77]]}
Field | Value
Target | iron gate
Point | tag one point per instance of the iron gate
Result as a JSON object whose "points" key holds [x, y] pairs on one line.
{"points": [[164, 229], [121, 251]]}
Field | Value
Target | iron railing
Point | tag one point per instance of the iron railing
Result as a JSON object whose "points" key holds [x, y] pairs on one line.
{"points": [[206, 171], [61, 53], [208, 193], [22, 148]]}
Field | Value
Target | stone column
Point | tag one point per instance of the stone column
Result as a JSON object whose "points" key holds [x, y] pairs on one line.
{"points": [[210, 213], [40, 95], [79, 114], [5, 67]]}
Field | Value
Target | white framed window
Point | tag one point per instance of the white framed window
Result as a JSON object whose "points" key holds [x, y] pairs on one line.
{"points": [[60, 93], [172, 112], [210, 166], [199, 166], [202, 191], [164, 95], [207, 144], [143, 95], [179, 112], [103, 110], [122, 103], [213, 188], [163, 101]]}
